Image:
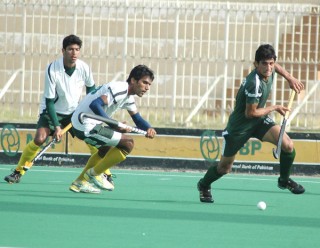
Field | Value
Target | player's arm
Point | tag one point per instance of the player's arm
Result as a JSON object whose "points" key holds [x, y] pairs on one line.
{"points": [[89, 81], [294, 83], [142, 124], [252, 110], [49, 94], [90, 89], [54, 118], [97, 106]]}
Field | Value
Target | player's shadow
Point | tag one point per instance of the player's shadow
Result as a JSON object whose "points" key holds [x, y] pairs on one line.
{"points": [[276, 191], [155, 214]]}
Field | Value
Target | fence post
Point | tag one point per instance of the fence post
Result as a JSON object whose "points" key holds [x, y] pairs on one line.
{"points": [[23, 60], [226, 48], [276, 48], [175, 68]]}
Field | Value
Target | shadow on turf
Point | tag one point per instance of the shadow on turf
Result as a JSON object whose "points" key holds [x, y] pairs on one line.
{"points": [[275, 191], [62, 209]]}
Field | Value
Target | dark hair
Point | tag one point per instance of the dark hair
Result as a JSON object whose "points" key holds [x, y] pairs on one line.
{"points": [[70, 40], [139, 72], [264, 52]]}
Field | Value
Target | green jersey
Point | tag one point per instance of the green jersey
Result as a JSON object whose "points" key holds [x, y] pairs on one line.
{"points": [[253, 90]]}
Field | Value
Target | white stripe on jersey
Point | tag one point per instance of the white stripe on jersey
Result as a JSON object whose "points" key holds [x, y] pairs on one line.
{"points": [[117, 95], [256, 93]]}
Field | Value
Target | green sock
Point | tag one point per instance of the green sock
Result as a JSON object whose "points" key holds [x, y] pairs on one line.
{"points": [[286, 161], [211, 176]]}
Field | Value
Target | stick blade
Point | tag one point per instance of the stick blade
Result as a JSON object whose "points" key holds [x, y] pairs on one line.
{"points": [[275, 153]]}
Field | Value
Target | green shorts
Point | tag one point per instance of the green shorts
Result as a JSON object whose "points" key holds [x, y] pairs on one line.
{"points": [[45, 121], [234, 142]]}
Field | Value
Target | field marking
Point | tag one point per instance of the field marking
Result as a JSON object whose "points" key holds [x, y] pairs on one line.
{"points": [[9, 247], [302, 179]]}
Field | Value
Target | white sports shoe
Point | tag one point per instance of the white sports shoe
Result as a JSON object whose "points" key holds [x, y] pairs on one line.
{"points": [[83, 187], [100, 181], [109, 178]]}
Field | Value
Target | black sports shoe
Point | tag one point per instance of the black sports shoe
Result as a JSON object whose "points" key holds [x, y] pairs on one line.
{"points": [[291, 185], [205, 193], [14, 177]]}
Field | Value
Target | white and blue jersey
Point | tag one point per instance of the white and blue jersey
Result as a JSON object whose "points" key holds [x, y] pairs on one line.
{"points": [[118, 98]]}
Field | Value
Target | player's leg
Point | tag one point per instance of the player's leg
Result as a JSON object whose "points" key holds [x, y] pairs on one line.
{"points": [[287, 157], [44, 129], [287, 150], [113, 157], [230, 148], [80, 184], [123, 145], [213, 174], [98, 137], [92, 149], [29, 152], [33, 147], [107, 173], [92, 161], [102, 152]]}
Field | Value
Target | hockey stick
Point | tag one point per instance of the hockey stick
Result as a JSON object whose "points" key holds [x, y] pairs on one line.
{"points": [[28, 164], [277, 151], [111, 122]]}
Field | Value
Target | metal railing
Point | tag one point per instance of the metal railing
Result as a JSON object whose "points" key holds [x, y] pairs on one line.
{"points": [[9, 83], [187, 43]]}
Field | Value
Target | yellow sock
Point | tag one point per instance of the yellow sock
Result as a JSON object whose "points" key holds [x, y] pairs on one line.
{"points": [[113, 157], [93, 160], [93, 150], [107, 171], [29, 152]]}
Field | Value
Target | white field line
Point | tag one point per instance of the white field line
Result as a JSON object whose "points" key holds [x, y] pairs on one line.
{"points": [[316, 180]]}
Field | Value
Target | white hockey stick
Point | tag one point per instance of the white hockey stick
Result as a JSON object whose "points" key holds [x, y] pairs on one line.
{"points": [[277, 151]]}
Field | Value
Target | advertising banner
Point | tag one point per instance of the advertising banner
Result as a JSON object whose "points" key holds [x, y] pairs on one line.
{"points": [[179, 149]]}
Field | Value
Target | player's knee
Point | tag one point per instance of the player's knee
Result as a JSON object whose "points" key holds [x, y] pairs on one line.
{"points": [[288, 146], [41, 136], [39, 140], [126, 144], [102, 151], [129, 145]]}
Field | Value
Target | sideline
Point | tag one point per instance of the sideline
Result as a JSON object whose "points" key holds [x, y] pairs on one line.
{"points": [[177, 174]]}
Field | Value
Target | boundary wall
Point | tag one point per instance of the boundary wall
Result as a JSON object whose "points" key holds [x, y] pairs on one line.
{"points": [[177, 149]]}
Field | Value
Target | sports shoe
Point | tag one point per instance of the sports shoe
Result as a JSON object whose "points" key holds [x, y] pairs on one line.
{"points": [[291, 185], [205, 193], [14, 177], [100, 181], [109, 178], [83, 187]]}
